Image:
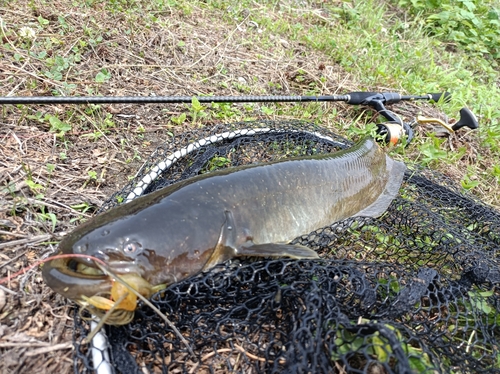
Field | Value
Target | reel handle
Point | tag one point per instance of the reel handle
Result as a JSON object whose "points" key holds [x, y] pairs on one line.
{"points": [[467, 119]]}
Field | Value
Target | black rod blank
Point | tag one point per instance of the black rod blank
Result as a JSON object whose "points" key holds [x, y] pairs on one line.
{"points": [[161, 99], [349, 98]]}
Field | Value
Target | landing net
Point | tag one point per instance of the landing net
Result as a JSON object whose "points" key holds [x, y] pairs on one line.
{"points": [[414, 291]]}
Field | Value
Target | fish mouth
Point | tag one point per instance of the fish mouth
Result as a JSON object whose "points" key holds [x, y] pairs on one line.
{"points": [[80, 281], [74, 279]]}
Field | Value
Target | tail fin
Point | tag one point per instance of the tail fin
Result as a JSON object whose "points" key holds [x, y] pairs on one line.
{"points": [[396, 171]]}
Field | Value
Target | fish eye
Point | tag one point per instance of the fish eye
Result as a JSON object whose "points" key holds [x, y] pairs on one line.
{"points": [[131, 247]]}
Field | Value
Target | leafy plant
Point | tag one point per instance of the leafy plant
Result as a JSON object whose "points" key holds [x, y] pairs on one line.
{"points": [[92, 175], [224, 110], [196, 111], [474, 24], [82, 208], [468, 183], [379, 347], [267, 111], [33, 186], [179, 120], [103, 76], [58, 65], [432, 151], [218, 162], [56, 125], [47, 216]]}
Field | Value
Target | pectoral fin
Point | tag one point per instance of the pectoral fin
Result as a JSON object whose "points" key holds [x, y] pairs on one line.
{"points": [[294, 251], [225, 248]]}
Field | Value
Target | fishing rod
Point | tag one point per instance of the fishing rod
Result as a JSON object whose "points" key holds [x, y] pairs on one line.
{"points": [[354, 98], [391, 131]]}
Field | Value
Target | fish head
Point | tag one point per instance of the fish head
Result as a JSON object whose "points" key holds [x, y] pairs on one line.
{"points": [[114, 242], [123, 249]]}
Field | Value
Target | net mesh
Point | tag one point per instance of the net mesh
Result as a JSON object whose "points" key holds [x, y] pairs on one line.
{"points": [[413, 291]]}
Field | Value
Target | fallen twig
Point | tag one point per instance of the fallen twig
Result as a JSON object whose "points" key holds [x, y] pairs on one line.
{"points": [[52, 348], [31, 240], [5, 289]]}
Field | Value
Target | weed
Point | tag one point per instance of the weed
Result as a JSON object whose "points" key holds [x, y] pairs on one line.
{"points": [[379, 346], [496, 172], [432, 152], [56, 125], [197, 111], [218, 162], [44, 216], [83, 208], [224, 111], [267, 111], [180, 119], [101, 126], [32, 185], [102, 76], [92, 175], [468, 182], [473, 24]]}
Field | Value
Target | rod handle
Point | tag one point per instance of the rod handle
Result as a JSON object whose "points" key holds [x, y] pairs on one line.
{"points": [[437, 96], [365, 98]]}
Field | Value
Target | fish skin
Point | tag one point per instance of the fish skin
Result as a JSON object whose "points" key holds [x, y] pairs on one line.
{"points": [[192, 225]]}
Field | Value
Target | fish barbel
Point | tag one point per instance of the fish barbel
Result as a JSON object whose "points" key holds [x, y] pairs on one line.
{"points": [[251, 210]]}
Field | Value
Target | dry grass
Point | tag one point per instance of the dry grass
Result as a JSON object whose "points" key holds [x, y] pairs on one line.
{"points": [[49, 183]]}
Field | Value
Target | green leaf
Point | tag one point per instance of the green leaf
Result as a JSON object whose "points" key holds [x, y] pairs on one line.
{"points": [[57, 125], [381, 349], [92, 174], [195, 104], [493, 15], [102, 76], [469, 184], [179, 120], [53, 219], [267, 111], [469, 5], [53, 74], [42, 21], [33, 186], [478, 301]]}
